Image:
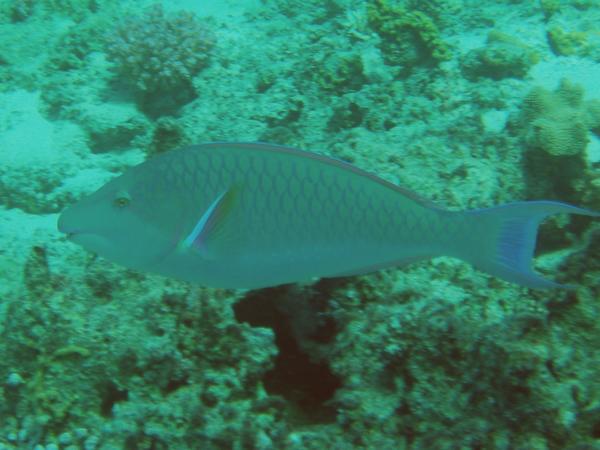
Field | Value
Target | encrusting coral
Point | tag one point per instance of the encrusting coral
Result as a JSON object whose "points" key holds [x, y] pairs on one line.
{"points": [[503, 56], [408, 37]]}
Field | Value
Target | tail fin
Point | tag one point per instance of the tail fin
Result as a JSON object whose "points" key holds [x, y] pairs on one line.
{"points": [[505, 244]]}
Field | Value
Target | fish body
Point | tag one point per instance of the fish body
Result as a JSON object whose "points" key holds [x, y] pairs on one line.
{"points": [[244, 215]]}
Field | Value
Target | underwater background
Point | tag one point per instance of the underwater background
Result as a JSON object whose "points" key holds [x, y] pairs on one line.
{"points": [[468, 103]]}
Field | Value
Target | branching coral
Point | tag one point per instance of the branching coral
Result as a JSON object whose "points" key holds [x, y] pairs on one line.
{"points": [[159, 54]]}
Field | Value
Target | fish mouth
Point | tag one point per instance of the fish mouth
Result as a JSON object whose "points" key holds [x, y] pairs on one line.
{"points": [[73, 234], [93, 242], [63, 226], [66, 227]]}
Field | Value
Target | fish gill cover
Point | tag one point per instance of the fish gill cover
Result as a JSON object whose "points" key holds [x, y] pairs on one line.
{"points": [[469, 103]]}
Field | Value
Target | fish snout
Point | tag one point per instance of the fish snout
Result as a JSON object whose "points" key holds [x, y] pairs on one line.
{"points": [[64, 224]]}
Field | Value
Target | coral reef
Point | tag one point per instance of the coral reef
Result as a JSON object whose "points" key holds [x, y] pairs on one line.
{"points": [[408, 38], [158, 54], [341, 72], [556, 127], [21, 10], [33, 169], [75, 47], [559, 121], [502, 57], [567, 43], [567, 37], [112, 126], [433, 356], [204, 369], [442, 11], [75, 87], [549, 7]]}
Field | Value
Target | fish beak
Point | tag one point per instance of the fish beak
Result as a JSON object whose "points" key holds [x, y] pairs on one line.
{"points": [[63, 224]]}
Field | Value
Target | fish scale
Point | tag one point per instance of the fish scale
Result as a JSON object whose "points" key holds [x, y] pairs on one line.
{"points": [[254, 215]]}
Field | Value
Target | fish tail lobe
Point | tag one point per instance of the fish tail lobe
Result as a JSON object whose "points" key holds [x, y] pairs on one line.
{"points": [[501, 240]]}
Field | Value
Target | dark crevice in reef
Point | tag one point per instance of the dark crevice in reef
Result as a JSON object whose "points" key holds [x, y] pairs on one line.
{"points": [[297, 319], [111, 395]]}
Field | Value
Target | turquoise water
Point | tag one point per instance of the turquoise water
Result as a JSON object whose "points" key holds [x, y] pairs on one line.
{"points": [[470, 104]]}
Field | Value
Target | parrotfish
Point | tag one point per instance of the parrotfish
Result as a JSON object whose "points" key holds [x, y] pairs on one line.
{"points": [[252, 215]]}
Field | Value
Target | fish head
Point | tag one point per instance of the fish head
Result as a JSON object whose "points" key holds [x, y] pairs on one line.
{"points": [[123, 221]]}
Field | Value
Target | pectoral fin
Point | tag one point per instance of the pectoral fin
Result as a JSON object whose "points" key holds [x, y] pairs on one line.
{"points": [[209, 235]]}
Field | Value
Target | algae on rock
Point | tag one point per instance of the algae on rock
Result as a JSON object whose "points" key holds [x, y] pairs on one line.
{"points": [[408, 38]]}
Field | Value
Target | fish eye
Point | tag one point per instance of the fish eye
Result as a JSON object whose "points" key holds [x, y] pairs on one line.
{"points": [[122, 199]]}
